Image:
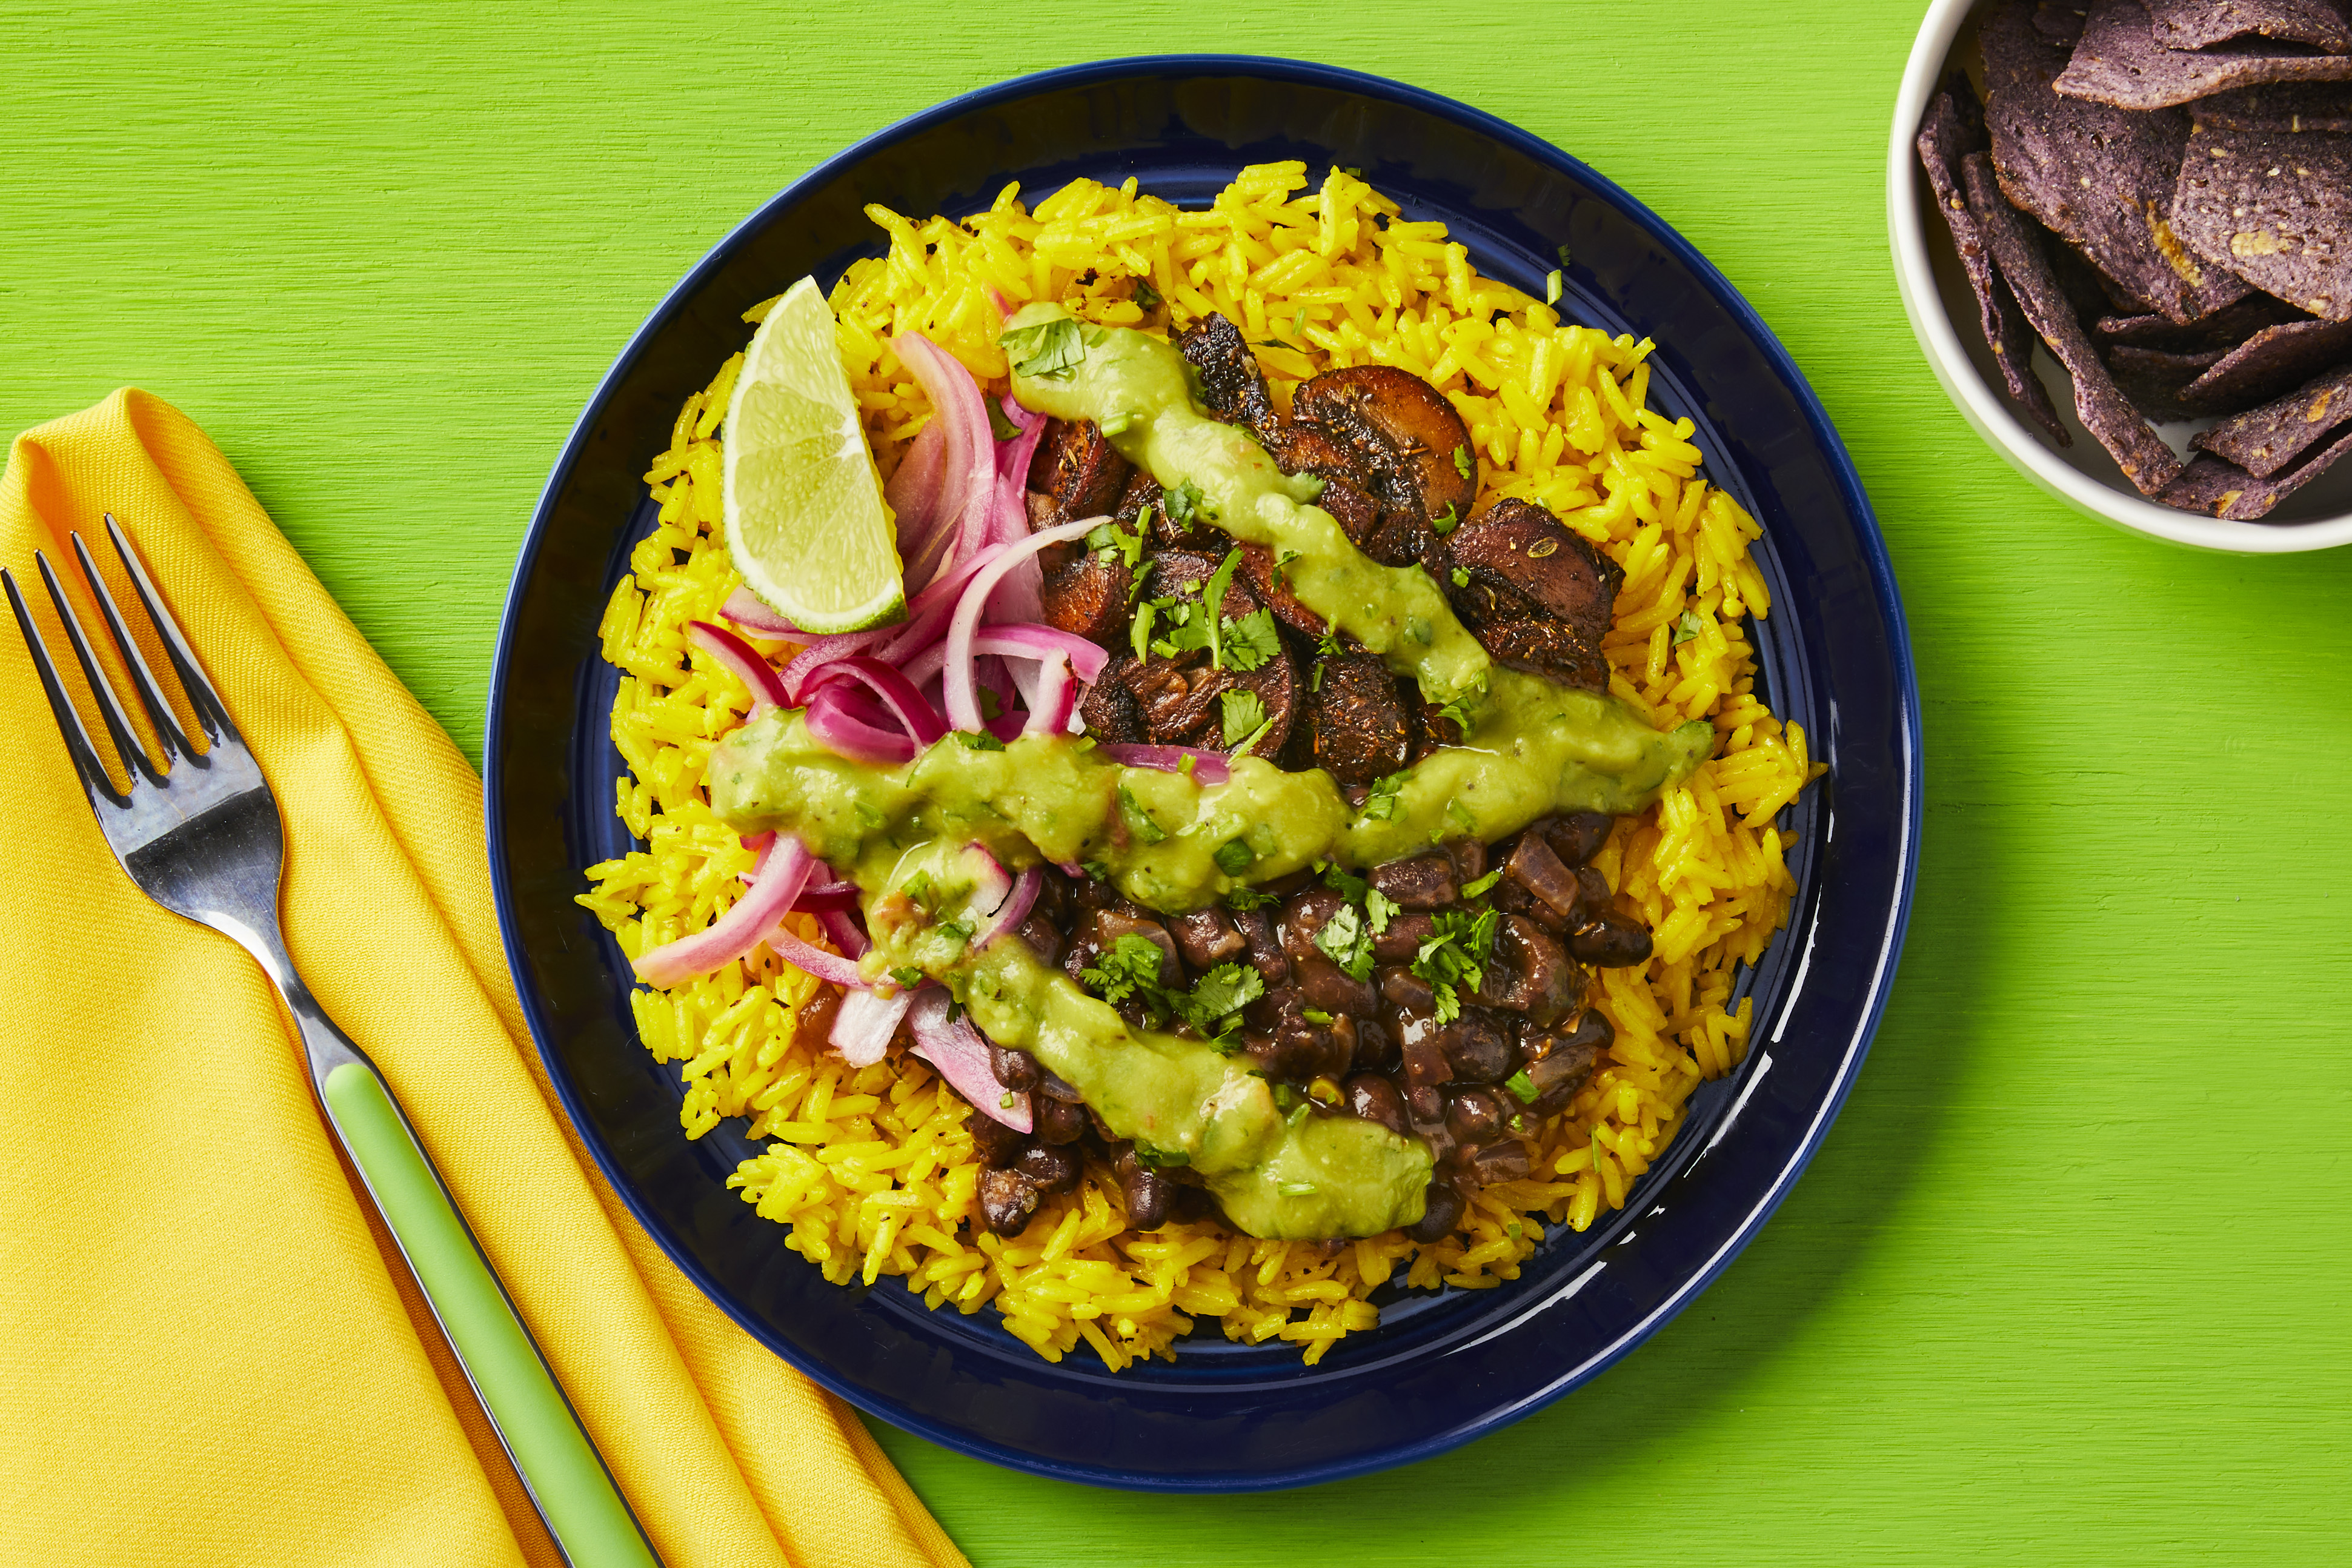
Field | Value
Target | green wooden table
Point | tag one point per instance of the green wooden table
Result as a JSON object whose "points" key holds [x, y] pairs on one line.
{"points": [[2068, 1282]]}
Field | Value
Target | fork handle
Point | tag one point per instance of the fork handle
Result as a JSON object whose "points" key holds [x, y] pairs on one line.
{"points": [[566, 1478]]}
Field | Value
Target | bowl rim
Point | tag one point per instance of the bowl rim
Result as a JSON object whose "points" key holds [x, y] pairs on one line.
{"points": [[1990, 412], [1881, 964]]}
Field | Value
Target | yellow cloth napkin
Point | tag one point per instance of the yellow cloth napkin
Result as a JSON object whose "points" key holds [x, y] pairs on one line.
{"points": [[208, 1351]]}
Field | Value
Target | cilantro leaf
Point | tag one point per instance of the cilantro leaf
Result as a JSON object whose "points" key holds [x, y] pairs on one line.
{"points": [[1688, 626], [1004, 430], [1454, 958], [1212, 606], [1233, 856], [1563, 256], [1461, 814], [1349, 945], [1483, 886], [1113, 541], [1461, 578], [1214, 1004], [1117, 424], [1138, 821], [1146, 298], [1250, 641], [908, 975], [978, 741], [1382, 803], [1138, 634], [1049, 350], [1460, 456], [1420, 631], [1522, 1086], [1446, 521], [1182, 505], [1246, 898], [1379, 909], [1130, 968], [991, 706], [1245, 717]]}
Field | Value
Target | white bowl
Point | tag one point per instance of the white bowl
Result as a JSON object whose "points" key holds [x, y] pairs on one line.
{"points": [[1943, 312]]}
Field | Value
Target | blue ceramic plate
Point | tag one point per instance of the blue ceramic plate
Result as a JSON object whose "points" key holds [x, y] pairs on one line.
{"points": [[1441, 1369]]}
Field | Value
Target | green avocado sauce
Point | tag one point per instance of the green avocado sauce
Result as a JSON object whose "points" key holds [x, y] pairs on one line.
{"points": [[1531, 749]]}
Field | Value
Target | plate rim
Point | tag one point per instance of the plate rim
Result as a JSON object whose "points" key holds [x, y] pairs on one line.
{"points": [[1884, 588]]}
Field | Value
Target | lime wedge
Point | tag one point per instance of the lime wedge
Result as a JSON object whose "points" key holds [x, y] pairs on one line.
{"points": [[806, 525]]}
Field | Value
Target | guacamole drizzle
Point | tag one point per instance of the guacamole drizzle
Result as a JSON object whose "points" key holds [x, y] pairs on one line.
{"points": [[1531, 749]]}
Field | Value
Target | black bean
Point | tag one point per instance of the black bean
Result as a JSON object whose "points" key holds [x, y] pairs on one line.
{"points": [[1264, 946], [1054, 1168], [1402, 938], [1044, 937], [1375, 1098], [1376, 1047], [1503, 1161], [1535, 868], [1613, 942], [1423, 882], [1007, 1199], [1207, 937], [1578, 836], [1478, 1047], [1113, 924], [1016, 1070], [1405, 990], [1326, 985], [1058, 1122], [1475, 1116], [1441, 1212], [996, 1144], [1302, 917], [1538, 978], [1469, 857], [1148, 1195]]}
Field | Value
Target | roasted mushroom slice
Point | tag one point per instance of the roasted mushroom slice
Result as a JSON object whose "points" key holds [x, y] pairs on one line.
{"points": [[1082, 593], [1077, 466], [1409, 436], [1354, 721], [1232, 387], [1272, 588], [1518, 545], [1110, 710], [1185, 700]]}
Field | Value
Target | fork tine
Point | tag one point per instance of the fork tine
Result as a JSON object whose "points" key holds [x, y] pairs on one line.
{"points": [[210, 712], [142, 680], [69, 727], [109, 707]]}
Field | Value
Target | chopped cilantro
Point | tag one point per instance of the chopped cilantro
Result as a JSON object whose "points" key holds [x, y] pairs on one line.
{"points": [[956, 929], [1419, 630], [1116, 543], [1379, 909], [1140, 633], [918, 888], [1462, 464], [1117, 424], [1004, 428], [1212, 606], [1691, 624], [1246, 899], [1345, 883], [1213, 1005], [1382, 803], [908, 975], [1233, 856], [1344, 937], [1298, 323], [1185, 765], [1459, 711], [1250, 641], [1454, 958], [1138, 821], [1096, 868], [991, 706], [1461, 814], [1483, 886], [1316, 1016], [1130, 967], [1004, 1101], [1521, 1085], [1146, 298], [979, 740], [867, 816], [1551, 288], [1245, 718], [1563, 256], [1461, 578], [1182, 505], [1049, 350], [1145, 1154], [1446, 521]]}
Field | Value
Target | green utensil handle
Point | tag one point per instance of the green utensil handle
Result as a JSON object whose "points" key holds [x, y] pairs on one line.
{"points": [[574, 1493]]}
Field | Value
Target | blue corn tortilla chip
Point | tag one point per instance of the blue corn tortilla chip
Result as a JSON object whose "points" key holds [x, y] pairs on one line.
{"points": [[2060, 23], [2119, 62], [2267, 365], [2224, 329], [2154, 378], [2219, 487], [1953, 128], [2109, 416], [2274, 207], [2267, 439], [2201, 24], [2101, 179], [2279, 105]]}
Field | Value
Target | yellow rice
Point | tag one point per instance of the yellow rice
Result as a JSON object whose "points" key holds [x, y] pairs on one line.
{"points": [[871, 1170]]}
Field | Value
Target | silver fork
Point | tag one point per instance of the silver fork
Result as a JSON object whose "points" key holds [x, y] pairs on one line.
{"points": [[199, 832]]}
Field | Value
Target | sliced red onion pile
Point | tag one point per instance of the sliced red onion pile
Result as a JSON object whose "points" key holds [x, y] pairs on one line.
{"points": [[961, 1055]]}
